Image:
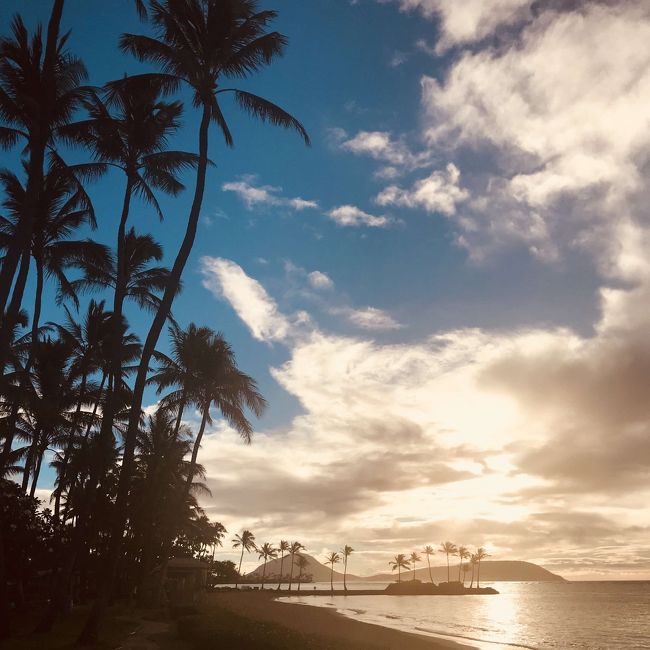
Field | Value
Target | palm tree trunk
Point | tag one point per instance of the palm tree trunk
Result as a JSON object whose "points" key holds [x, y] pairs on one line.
{"points": [[109, 566], [478, 575], [460, 568], [291, 573], [281, 565], [471, 584], [399, 577], [239, 569], [447, 568], [345, 571], [197, 445], [264, 574], [332, 579], [429, 564], [37, 472]]}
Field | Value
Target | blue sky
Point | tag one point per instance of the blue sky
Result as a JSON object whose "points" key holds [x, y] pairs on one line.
{"points": [[492, 163]]}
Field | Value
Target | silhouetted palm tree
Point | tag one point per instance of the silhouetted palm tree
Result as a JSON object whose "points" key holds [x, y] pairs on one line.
{"points": [[197, 42], [266, 551], [332, 559], [302, 563], [347, 551], [245, 541], [39, 93], [473, 559], [429, 551], [413, 560], [295, 547], [399, 562], [481, 554], [283, 548], [448, 549], [462, 553]]}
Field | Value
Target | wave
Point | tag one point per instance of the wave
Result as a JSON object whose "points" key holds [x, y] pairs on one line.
{"points": [[473, 638]]}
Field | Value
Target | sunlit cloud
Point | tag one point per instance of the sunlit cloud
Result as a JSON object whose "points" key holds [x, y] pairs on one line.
{"points": [[265, 195], [352, 216]]}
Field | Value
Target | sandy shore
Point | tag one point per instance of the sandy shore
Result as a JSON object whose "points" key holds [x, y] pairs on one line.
{"points": [[334, 629]]}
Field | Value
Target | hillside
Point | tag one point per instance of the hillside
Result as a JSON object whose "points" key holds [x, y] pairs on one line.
{"points": [[319, 572], [491, 571]]}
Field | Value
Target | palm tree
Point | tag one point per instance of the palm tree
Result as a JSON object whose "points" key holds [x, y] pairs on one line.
{"points": [[295, 547], [245, 541], [463, 553], [302, 563], [39, 93], [399, 562], [198, 43], [449, 549], [347, 551], [332, 559], [283, 548], [481, 554], [473, 559], [429, 551], [413, 560], [266, 551]]}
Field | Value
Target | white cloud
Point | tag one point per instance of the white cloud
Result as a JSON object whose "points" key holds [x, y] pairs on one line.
{"points": [[253, 196], [561, 108], [468, 21], [350, 215], [225, 279], [368, 318], [320, 280], [380, 145], [439, 192]]}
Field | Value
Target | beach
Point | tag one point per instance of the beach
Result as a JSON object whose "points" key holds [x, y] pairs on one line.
{"points": [[312, 627]]}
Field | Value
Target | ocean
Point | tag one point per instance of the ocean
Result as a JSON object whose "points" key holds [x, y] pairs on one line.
{"points": [[535, 615]]}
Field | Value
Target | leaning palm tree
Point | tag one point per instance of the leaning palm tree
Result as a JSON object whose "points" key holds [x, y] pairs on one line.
{"points": [[266, 551], [283, 548], [302, 563], [245, 541], [198, 43], [481, 554], [295, 548], [429, 551], [448, 549], [463, 553], [413, 560], [332, 559], [347, 551], [399, 562]]}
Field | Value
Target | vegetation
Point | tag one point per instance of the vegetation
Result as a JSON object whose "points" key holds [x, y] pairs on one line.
{"points": [[448, 549], [332, 559], [399, 562], [346, 552], [126, 486]]}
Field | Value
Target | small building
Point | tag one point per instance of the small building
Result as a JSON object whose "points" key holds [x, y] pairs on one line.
{"points": [[186, 580]]}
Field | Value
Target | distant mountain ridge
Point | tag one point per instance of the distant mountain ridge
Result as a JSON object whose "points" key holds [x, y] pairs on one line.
{"points": [[491, 571]]}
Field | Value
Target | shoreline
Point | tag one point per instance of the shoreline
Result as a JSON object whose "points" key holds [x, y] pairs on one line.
{"points": [[326, 626]]}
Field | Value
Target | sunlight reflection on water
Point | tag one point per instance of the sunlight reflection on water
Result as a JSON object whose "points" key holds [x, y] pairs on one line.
{"points": [[581, 615]]}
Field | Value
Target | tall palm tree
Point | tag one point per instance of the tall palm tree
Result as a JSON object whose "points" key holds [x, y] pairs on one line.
{"points": [[245, 541], [399, 562], [332, 559], [481, 554], [302, 563], [283, 548], [295, 548], [448, 548], [198, 43], [473, 559], [347, 551], [133, 138], [266, 551], [429, 551], [39, 93], [463, 553], [413, 560]]}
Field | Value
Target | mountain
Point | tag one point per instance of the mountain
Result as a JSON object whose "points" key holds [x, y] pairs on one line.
{"points": [[318, 571], [491, 571]]}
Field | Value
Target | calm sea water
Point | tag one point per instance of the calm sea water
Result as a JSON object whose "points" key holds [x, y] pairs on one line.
{"points": [[536, 615]]}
